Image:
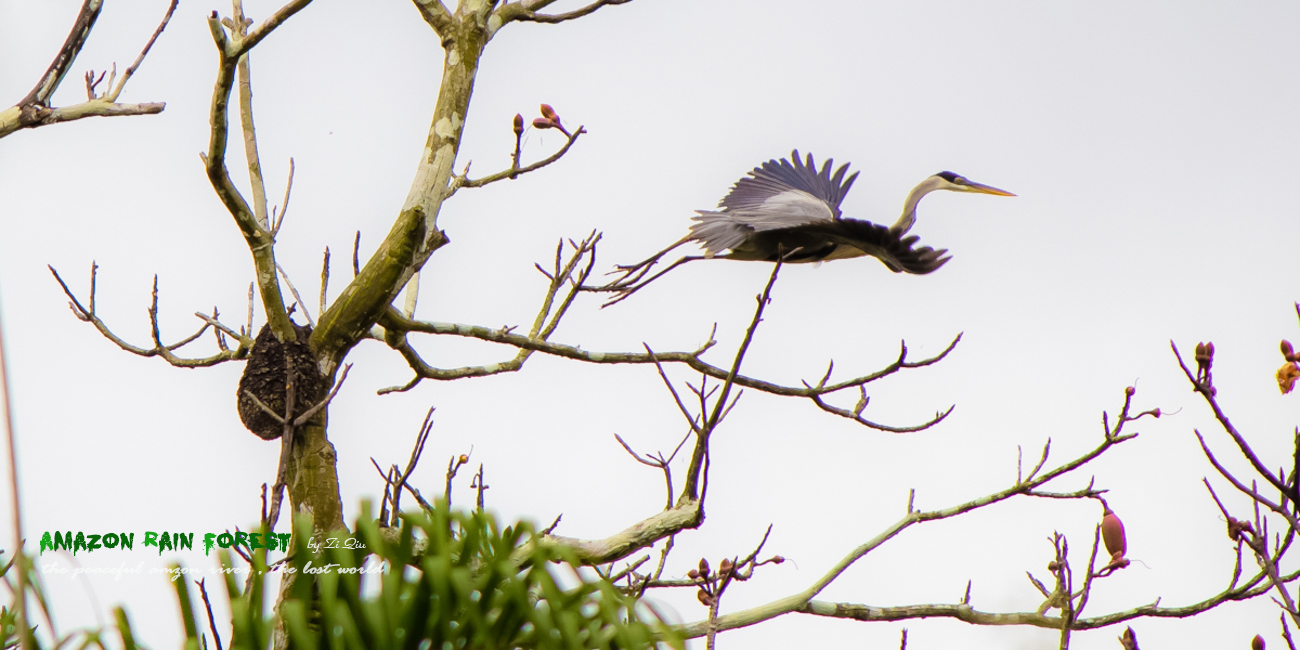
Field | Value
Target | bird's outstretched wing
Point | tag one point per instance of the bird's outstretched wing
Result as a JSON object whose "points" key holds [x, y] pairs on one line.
{"points": [[776, 177], [898, 253], [777, 194]]}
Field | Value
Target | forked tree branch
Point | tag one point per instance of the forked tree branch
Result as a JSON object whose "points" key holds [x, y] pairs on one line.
{"points": [[397, 324], [514, 172], [35, 110], [581, 262], [437, 15], [232, 45], [527, 11], [159, 349]]}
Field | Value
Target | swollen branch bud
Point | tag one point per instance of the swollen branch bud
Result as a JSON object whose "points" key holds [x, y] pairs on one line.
{"points": [[704, 568], [543, 123], [550, 115], [1287, 351], [462, 460], [1129, 640], [706, 599], [724, 569], [519, 124], [1257, 643], [1112, 532], [1129, 391]]}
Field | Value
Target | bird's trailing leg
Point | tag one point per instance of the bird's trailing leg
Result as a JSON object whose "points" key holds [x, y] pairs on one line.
{"points": [[632, 274], [625, 288]]}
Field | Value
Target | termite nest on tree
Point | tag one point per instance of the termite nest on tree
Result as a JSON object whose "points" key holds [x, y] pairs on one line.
{"points": [[265, 377]]}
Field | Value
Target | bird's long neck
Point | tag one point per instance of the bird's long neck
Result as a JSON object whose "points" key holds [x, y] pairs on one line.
{"points": [[905, 222]]}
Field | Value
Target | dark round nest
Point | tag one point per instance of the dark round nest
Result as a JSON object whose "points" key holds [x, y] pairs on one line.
{"points": [[265, 375]]}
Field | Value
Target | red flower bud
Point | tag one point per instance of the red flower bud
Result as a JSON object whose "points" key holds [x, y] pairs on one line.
{"points": [[705, 598], [549, 114], [519, 124], [1257, 643], [693, 574], [1112, 532], [543, 123], [1129, 391], [704, 568]]}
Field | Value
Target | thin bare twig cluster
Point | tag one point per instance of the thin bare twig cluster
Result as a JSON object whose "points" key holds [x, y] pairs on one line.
{"points": [[1274, 495]]}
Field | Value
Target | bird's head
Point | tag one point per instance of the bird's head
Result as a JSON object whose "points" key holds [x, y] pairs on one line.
{"points": [[958, 183], [941, 181]]}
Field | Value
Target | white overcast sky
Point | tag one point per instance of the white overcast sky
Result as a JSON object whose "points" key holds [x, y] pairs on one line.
{"points": [[1152, 146]]}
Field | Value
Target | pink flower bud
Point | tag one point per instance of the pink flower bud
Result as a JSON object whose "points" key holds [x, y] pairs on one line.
{"points": [[1112, 532]]}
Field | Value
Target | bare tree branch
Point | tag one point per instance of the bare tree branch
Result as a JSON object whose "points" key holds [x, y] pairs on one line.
{"points": [[803, 601], [1227, 426], [159, 349], [514, 172], [258, 238], [437, 15], [527, 11], [35, 110], [117, 90], [394, 321]]}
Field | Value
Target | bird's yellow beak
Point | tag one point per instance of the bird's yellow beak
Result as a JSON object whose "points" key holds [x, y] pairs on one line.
{"points": [[986, 189]]}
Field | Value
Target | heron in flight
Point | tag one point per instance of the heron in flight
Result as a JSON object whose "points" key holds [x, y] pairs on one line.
{"points": [[789, 210]]}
